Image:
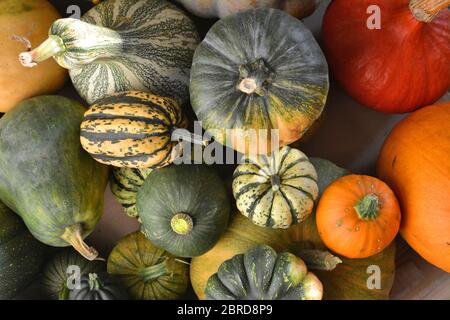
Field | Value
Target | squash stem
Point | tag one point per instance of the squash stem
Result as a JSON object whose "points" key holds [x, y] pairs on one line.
{"points": [[64, 293], [318, 260], [49, 48], [427, 10], [94, 282], [72, 234], [275, 180], [368, 207], [151, 273], [182, 223]]}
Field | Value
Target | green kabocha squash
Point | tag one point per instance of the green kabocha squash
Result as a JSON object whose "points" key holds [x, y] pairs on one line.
{"points": [[124, 184], [256, 71], [63, 265], [184, 209], [147, 272], [21, 256], [95, 286], [122, 45], [46, 177], [276, 190], [133, 129], [262, 274]]}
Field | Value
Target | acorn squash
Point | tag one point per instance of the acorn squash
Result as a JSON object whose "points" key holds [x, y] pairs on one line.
{"points": [[95, 286]]}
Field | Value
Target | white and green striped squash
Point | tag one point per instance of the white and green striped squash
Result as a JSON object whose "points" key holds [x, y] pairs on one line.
{"points": [[122, 45], [276, 191]]}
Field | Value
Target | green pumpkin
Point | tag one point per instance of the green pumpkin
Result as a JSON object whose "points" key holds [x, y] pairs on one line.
{"points": [[95, 286], [46, 176], [58, 269], [258, 70], [21, 256], [122, 45], [124, 184], [184, 209], [278, 190], [262, 274], [147, 272]]}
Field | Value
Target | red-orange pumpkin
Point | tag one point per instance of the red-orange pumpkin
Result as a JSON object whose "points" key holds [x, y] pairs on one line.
{"points": [[415, 162], [398, 68], [358, 216]]}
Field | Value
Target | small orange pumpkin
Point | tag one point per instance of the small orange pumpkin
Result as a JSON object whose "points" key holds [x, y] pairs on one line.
{"points": [[358, 216]]}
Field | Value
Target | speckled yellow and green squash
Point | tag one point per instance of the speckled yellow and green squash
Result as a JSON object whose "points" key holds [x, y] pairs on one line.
{"points": [[262, 274], [132, 129], [257, 70], [124, 184], [278, 190]]}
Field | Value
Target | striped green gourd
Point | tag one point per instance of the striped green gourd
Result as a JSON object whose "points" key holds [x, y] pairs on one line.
{"points": [[278, 190], [122, 45]]}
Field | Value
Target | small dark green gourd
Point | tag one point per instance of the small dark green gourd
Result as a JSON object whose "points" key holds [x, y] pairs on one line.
{"points": [[95, 286]]}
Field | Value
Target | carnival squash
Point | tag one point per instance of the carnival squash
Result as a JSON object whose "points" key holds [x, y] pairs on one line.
{"points": [[277, 190], [262, 274], [132, 129], [46, 177], [222, 8], [95, 286], [259, 80], [184, 209], [396, 65], [123, 45], [358, 216], [349, 280], [24, 23], [147, 272], [415, 162]]}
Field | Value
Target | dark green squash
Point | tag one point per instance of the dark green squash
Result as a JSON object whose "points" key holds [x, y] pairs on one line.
{"points": [[56, 272], [147, 272], [184, 208], [46, 176], [21, 256], [262, 274], [95, 286], [258, 70]]}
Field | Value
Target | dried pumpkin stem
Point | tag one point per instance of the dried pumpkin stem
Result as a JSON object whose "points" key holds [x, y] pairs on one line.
{"points": [[73, 235], [369, 207], [182, 223], [318, 260], [151, 273], [427, 10], [49, 48]]}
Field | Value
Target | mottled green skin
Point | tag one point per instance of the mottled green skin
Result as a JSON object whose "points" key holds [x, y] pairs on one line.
{"points": [[195, 190], [95, 286], [54, 277], [21, 256], [260, 274], [45, 175], [294, 75]]}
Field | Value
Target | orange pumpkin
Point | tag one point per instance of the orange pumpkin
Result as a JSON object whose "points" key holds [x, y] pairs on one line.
{"points": [[358, 216], [415, 162]]}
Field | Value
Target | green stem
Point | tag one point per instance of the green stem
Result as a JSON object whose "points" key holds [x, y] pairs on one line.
{"points": [[94, 281], [151, 273], [49, 48], [64, 293], [369, 207], [182, 223]]}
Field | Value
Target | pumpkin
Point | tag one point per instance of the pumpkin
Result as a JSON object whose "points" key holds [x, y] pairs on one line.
{"points": [[46, 177], [349, 280], [371, 65], [97, 287], [222, 8], [147, 272], [277, 190], [259, 80], [122, 45], [414, 161], [132, 129], [358, 216], [24, 23], [21, 256], [262, 274], [124, 184], [184, 209], [61, 266]]}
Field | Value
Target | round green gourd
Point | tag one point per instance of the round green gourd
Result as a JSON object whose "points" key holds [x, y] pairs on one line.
{"points": [[56, 272], [258, 70], [21, 256], [46, 176], [262, 274], [95, 286], [278, 190], [147, 272], [122, 45], [183, 208]]}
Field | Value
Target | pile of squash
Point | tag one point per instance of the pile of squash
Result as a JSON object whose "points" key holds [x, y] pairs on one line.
{"points": [[281, 225]]}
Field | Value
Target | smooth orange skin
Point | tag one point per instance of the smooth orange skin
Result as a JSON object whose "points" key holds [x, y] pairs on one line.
{"points": [[339, 225], [18, 83], [415, 162]]}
